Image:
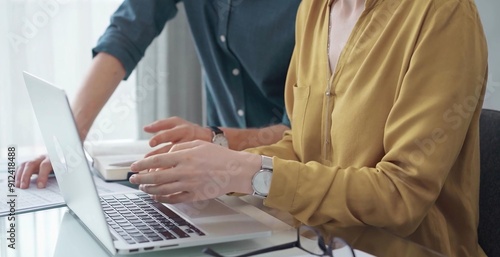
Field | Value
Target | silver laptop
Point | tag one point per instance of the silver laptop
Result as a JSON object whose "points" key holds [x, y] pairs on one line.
{"points": [[126, 223]]}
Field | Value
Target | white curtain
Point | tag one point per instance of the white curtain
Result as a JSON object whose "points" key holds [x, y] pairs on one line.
{"points": [[53, 40], [169, 77]]}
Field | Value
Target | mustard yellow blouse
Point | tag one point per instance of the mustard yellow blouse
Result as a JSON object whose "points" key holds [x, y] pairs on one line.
{"points": [[391, 138]]}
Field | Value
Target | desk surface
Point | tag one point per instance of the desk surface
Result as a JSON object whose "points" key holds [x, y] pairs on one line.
{"points": [[57, 233]]}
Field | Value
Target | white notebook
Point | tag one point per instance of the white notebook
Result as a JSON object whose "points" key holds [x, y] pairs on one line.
{"points": [[112, 159]]}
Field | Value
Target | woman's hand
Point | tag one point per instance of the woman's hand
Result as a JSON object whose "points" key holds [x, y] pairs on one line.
{"points": [[195, 171]]}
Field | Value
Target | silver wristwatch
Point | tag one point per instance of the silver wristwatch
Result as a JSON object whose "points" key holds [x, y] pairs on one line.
{"points": [[218, 137], [261, 181]]}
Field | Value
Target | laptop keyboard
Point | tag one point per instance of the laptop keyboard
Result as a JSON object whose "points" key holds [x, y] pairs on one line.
{"points": [[139, 219]]}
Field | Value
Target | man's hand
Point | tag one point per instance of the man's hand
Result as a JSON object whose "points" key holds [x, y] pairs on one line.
{"points": [[195, 171], [175, 130], [40, 166]]}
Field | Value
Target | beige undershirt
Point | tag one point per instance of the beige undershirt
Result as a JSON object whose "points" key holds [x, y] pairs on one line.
{"points": [[343, 16]]}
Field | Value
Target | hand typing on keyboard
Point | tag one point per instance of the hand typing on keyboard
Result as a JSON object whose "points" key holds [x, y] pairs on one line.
{"points": [[195, 171]]}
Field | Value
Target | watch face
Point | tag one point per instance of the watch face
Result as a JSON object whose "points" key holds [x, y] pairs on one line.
{"points": [[262, 182], [221, 140]]}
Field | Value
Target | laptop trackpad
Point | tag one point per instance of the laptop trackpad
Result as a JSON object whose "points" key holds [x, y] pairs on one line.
{"points": [[204, 209]]}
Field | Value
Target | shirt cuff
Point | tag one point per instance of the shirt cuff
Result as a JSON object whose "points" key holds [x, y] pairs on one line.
{"points": [[283, 185]]}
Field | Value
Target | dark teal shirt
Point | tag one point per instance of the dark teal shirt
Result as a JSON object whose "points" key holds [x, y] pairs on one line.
{"points": [[244, 46]]}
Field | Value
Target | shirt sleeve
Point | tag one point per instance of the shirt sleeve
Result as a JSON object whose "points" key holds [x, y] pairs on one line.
{"points": [[448, 69], [132, 28], [282, 149]]}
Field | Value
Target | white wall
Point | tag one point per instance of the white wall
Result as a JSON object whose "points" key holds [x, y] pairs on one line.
{"points": [[489, 11]]}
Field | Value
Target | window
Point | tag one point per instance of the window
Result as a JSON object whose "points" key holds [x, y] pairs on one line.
{"points": [[52, 39]]}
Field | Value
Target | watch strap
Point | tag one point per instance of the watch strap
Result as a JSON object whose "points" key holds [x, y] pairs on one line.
{"points": [[216, 130], [266, 163]]}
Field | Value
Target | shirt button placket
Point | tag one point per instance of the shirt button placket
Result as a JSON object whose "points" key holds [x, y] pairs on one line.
{"points": [[236, 72], [329, 95]]}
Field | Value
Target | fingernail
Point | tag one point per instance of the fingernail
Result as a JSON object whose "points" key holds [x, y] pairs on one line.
{"points": [[152, 142], [39, 185], [23, 185], [133, 179]]}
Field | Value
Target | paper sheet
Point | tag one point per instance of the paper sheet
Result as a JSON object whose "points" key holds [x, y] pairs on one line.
{"points": [[119, 147], [32, 199]]}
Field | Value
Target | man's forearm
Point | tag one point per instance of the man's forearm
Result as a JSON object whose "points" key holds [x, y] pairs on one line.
{"points": [[104, 75], [240, 139]]}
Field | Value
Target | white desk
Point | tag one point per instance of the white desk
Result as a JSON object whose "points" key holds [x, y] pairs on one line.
{"points": [[57, 233]]}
